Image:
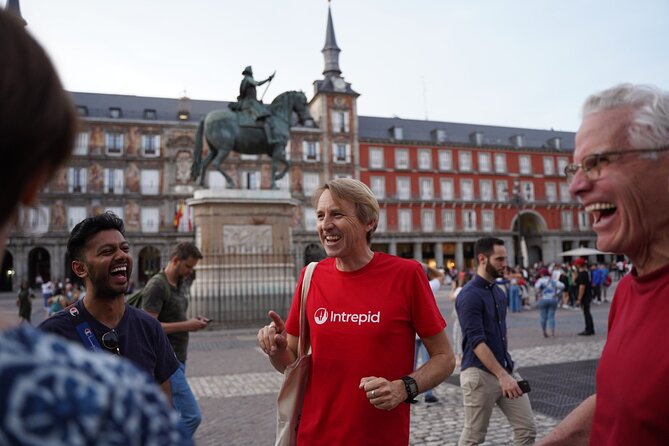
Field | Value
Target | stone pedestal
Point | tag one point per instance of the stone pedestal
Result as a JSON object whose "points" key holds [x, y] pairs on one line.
{"points": [[248, 265]]}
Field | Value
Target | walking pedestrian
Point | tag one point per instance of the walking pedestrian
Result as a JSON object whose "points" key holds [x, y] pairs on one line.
{"points": [[584, 297], [488, 377], [23, 301], [463, 279], [548, 292]]}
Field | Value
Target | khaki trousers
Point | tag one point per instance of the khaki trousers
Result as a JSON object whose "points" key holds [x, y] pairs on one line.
{"points": [[480, 393]]}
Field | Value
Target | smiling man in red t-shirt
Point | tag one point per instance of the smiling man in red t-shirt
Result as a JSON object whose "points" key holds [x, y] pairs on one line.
{"points": [[363, 309]]}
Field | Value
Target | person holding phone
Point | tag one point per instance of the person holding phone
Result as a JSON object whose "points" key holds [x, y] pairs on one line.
{"points": [[488, 377], [165, 298]]}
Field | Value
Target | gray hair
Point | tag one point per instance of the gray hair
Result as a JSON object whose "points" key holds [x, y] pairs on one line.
{"points": [[649, 126]]}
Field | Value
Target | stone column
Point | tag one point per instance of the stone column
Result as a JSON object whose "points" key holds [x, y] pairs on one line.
{"points": [[439, 254], [459, 256]]}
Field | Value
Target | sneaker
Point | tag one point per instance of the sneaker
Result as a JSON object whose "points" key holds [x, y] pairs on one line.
{"points": [[431, 399]]}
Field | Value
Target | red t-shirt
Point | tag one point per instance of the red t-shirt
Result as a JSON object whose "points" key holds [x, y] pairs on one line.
{"points": [[361, 323], [633, 373]]}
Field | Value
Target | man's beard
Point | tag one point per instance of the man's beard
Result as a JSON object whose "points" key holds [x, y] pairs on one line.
{"points": [[494, 273], [101, 286]]}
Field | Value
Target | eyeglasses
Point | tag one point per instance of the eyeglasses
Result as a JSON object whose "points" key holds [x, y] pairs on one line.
{"points": [[592, 164], [110, 341]]}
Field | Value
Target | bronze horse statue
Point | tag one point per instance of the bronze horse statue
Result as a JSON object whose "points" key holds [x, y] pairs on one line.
{"points": [[225, 131]]}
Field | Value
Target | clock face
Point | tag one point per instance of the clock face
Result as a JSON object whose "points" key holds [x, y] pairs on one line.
{"points": [[339, 84]]}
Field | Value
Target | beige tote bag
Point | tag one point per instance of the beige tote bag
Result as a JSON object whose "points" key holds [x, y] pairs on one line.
{"points": [[291, 395]]}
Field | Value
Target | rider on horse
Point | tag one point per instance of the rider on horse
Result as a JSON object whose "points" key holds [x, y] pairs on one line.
{"points": [[249, 105]]}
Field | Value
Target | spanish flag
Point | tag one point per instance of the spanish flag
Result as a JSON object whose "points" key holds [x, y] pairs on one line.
{"points": [[179, 214]]}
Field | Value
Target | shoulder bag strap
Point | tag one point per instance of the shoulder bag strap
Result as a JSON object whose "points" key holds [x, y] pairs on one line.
{"points": [[303, 341], [86, 334]]}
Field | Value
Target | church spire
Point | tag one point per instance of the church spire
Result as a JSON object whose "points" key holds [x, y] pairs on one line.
{"points": [[331, 50], [12, 6]]}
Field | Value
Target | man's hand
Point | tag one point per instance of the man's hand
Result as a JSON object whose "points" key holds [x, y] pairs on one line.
{"points": [[197, 323], [272, 338], [510, 388], [383, 394]]}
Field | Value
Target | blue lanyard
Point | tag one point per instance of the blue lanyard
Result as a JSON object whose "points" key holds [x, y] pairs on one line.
{"points": [[86, 334]]}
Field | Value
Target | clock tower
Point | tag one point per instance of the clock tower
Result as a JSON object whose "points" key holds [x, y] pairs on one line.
{"points": [[333, 107]]}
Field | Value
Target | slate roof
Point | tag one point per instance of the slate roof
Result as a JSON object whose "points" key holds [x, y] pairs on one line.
{"points": [[370, 127], [375, 128], [133, 107]]}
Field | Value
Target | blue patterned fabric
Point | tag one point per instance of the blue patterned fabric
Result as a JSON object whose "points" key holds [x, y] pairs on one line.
{"points": [[53, 392]]}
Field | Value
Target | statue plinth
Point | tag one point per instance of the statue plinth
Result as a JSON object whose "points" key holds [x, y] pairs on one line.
{"points": [[248, 265]]}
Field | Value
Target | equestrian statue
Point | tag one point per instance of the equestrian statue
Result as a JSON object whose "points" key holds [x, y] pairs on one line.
{"points": [[249, 127]]}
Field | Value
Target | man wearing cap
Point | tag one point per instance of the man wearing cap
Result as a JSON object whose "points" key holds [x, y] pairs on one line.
{"points": [[584, 296]]}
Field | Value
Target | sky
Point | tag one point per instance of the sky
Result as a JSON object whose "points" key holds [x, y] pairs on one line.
{"points": [[517, 63]]}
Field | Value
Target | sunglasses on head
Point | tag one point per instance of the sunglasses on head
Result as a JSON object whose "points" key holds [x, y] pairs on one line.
{"points": [[110, 341]]}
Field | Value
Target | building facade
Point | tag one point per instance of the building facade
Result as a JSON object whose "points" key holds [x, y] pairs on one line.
{"points": [[440, 185]]}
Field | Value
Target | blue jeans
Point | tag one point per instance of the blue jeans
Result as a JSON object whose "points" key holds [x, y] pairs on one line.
{"points": [[547, 309], [184, 401], [515, 299], [424, 357]]}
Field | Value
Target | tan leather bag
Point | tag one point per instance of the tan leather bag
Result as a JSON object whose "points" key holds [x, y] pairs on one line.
{"points": [[291, 395]]}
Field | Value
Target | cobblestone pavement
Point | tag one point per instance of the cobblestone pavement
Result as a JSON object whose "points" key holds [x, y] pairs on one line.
{"points": [[236, 387]]}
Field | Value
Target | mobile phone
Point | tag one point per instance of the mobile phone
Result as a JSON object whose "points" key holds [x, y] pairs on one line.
{"points": [[207, 320], [524, 386]]}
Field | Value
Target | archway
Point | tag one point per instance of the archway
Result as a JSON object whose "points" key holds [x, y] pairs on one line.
{"points": [[148, 264], [532, 227], [39, 265], [7, 272], [313, 253]]}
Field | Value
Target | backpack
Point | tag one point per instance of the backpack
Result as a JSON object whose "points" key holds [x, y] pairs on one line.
{"points": [[135, 299]]}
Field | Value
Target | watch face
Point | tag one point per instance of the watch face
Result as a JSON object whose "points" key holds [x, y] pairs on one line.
{"points": [[411, 387]]}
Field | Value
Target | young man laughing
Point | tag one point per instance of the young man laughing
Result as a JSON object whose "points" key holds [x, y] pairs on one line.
{"points": [[102, 321]]}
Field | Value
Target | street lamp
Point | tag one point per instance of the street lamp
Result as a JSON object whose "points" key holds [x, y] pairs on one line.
{"points": [[517, 200]]}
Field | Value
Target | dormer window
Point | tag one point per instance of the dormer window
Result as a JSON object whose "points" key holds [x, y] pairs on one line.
{"points": [[396, 133], [439, 135], [516, 140], [476, 138], [183, 108], [554, 143], [114, 112], [149, 114], [82, 110]]}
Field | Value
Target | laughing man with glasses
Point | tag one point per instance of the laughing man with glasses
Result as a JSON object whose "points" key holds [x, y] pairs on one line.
{"points": [[621, 177]]}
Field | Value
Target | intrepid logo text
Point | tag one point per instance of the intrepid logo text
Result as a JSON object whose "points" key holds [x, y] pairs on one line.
{"points": [[322, 315]]}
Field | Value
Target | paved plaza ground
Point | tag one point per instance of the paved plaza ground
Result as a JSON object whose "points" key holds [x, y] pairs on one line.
{"points": [[236, 387]]}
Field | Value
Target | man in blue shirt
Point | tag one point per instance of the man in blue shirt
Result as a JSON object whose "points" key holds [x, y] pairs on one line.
{"points": [[487, 376]]}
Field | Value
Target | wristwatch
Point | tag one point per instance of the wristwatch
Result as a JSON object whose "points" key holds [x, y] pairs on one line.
{"points": [[411, 388]]}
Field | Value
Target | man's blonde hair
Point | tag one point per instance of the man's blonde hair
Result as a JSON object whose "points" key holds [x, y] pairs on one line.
{"points": [[357, 192]]}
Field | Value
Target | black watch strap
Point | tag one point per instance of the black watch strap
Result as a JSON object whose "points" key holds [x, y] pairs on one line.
{"points": [[411, 388]]}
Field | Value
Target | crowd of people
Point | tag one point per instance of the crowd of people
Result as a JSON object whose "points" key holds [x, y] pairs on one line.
{"points": [[101, 371]]}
